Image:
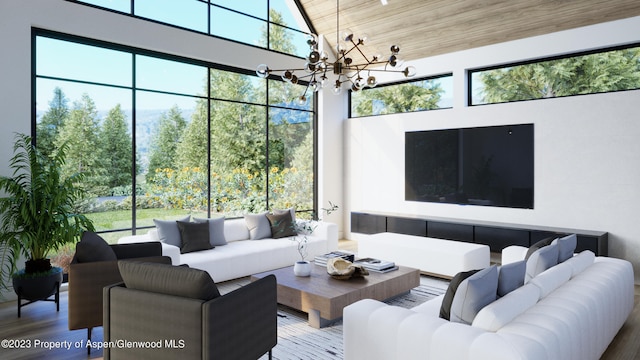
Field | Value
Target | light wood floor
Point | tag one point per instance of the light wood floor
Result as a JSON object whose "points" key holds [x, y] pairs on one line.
{"points": [[41, 322]]}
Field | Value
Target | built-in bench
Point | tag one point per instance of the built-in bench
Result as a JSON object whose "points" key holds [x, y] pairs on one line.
{"points": [[494, 234], [439, 257]]}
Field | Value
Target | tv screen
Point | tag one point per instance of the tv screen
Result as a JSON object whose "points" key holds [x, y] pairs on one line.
{"points": [[490, 166]]}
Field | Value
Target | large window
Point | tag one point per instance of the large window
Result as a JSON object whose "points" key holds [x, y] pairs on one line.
{"points": [[416, 95], [603, 71], [162, 137], [272, 24]]}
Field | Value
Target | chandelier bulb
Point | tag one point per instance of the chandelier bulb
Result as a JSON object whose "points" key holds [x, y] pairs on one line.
{"points": [[337, 90], [409, 71], [312, 41], [395, 49], [395, 61], [302, 100], [314, 86], [263, 71], [372, 81], [314, 57], [363, 39], [309, 68], [294, 79], [346, 35], [287, 76]]}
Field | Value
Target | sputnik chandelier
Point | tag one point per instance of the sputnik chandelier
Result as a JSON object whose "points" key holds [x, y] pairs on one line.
{"points": [[357, 72]]}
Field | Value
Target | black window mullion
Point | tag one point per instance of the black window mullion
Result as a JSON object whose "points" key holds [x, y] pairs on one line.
{"points": [[134, 170]]}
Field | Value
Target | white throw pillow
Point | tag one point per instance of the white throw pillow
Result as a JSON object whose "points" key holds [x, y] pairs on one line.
{"points": [[259, 226]]}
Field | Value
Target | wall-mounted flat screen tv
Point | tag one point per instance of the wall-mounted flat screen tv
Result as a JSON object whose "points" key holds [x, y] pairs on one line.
{"points": [[490, 166]]}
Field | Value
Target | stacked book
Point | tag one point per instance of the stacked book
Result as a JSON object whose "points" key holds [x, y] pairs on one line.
{"points": [[322, 259], [376, 265]]}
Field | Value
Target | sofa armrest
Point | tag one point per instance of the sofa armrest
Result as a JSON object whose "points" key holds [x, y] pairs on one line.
{"points": [[513, 253], [323, 230], [242, 324]]}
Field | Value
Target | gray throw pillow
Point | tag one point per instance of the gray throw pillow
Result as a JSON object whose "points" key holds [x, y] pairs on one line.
{"points": [[281, 225], [474, 293], [168, 232], [168, 279], [511, 277], [541, 260], [193, 236], [92, 247], [567, 246], [292, 211], [259, 226], [216, 230]]}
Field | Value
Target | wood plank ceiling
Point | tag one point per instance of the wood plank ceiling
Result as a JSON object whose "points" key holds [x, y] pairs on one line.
{"points": [[430, 27]]}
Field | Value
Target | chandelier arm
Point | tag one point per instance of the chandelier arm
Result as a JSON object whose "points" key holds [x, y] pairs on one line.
{"points": [[360, 51], [385, 70]]}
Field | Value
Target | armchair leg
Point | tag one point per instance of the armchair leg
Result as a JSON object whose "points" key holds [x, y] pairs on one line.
{"points": [[270, 358], [89, 339]]}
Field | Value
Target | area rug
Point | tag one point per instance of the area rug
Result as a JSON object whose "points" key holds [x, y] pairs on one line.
{"points": [[297, 340]]}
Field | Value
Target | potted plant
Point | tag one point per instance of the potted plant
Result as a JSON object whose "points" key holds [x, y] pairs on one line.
{"points": [[303, 229], [36, 217]]}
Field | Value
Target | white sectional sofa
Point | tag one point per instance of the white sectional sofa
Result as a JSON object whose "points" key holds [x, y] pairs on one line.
{"points": [[572, 310], [242, 256]]}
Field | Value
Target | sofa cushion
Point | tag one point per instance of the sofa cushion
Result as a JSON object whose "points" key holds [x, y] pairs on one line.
{"points": [[259, 226], [167, 279], [567, 246], [471, 294], [541, 260], [502, 311], [92, 247], [168, 230], [580, 262], [194, 236], [538, 245], [216, 230], [510, 277], [552, 278], [281, 225]]}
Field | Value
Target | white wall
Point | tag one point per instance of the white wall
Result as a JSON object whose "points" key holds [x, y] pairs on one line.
{"points": [[587, 152]]}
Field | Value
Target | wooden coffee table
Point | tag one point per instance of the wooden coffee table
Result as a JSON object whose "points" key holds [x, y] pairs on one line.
{"points": [[323, 297]]}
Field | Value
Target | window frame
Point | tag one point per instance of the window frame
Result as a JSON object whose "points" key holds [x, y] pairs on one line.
{"points": [[396, 83], [210, 66], [267, 21], [470, 72]]}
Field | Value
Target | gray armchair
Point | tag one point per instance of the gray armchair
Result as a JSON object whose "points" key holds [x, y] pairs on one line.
{"points": [[95, 265], [179, 312]]}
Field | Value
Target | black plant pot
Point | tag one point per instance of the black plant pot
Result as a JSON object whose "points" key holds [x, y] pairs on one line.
{"points": [[34, 288]]}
